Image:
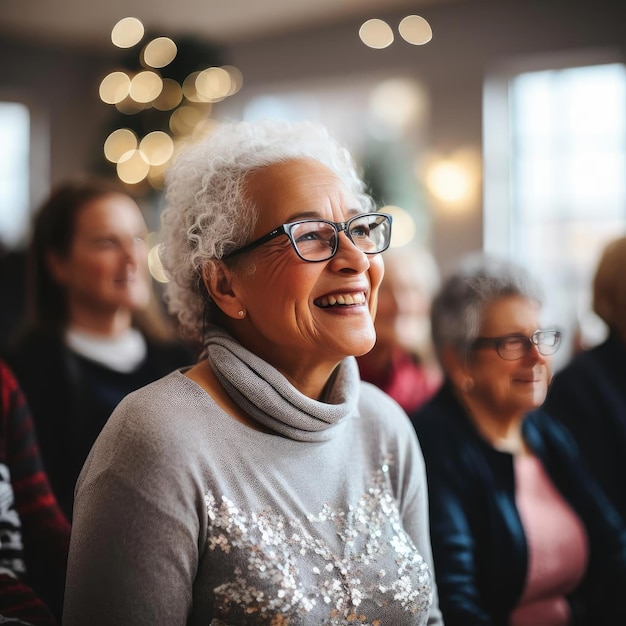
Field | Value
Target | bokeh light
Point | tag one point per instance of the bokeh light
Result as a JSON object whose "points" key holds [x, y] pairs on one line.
{"points": [[203, 128], [145, 86], [398, 103], [415, 30], [189, 88], [403, 229], [213, 84], [119, 143], [128, 106], [170, 97], [157, 147], [174, 110], [155, 266], [236, 79], [159, 52], [133, 168], [449, 181], [127, 32], [376, 33], [114, 87], [185, 119], [156, 175]]}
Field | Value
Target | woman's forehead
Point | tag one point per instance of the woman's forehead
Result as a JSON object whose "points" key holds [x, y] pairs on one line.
{"points": [[298, 189], [509, 314]]}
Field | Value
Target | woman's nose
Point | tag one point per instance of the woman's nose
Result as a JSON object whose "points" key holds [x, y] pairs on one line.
{"points": [[133, 251], [533, 353], [347, 249]]}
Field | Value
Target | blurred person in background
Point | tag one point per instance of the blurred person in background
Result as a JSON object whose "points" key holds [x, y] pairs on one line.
{"points": [[34, 533], [522, 535], [267, 484], [94, 332], [589, 394], [402, 362], [12, 293]]}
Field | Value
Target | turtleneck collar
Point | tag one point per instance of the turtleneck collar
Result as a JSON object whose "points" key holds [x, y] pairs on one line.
{"points": [[271, 400]]}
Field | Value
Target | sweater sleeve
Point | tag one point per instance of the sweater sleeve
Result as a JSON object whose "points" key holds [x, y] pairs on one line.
{"points": [[413, 495], [416, 520], [136, 532]]}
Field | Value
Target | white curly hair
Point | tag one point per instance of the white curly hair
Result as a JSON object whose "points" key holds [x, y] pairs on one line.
{"points": [[208, 213]]}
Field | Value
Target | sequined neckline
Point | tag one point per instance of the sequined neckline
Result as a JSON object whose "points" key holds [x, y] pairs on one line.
{"points": [[271, 400]]}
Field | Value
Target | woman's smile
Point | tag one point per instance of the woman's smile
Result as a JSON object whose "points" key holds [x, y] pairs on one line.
{"points": [[341, 300]]}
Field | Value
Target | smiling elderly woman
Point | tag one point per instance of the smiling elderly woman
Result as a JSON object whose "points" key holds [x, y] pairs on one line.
{"points": [[521, 534], [267, 484]]}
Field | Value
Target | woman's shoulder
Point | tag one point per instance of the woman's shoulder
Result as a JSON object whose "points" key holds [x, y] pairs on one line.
{"points": [[153, 426], [378, 407], [35, 345], [441, 414], [161, 396], [159, 413], [544, 427], [382, 417]]}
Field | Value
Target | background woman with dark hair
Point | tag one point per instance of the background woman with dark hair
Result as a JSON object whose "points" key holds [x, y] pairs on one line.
{"points": [[85, 348]]}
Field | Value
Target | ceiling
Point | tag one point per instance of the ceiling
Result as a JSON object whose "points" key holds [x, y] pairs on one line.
{"points": [[88, 22]]}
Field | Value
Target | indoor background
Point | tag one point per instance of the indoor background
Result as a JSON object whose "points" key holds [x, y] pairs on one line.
{"points": [[499, 126]]}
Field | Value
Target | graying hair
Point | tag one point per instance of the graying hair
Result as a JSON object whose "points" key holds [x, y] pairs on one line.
{"points": [[208, 213], [456, 311]]}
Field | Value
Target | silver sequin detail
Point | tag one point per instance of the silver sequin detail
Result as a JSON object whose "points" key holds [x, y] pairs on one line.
{"points": [[281, 571]]}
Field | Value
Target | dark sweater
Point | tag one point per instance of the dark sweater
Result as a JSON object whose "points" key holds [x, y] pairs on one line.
{"points": [[589, 397], [72, 397]]}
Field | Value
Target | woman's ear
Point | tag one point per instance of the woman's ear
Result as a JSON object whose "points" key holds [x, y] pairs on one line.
{"points": [[57, 267], [220, 286], [455, 367]]}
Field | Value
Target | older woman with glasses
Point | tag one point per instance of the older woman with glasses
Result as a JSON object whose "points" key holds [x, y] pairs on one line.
{"points": [[521, 534], [266, 484]]}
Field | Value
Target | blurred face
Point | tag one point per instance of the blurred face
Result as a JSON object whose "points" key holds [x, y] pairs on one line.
{"points": [[509, 389], [402, 317], [106, 268], [293, 319]]}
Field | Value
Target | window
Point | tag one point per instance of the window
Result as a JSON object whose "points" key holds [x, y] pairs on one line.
{"points": [[555, 181], [14, 173]]}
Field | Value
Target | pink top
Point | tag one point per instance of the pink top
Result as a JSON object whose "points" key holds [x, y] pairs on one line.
{"points": [[409, 383], [557, 547]]}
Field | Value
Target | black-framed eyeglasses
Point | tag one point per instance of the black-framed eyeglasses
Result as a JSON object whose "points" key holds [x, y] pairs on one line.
{"points": [[513, 347], [318, 240]]}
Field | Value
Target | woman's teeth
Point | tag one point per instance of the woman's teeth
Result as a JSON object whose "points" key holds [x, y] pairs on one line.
{"points": [[347, 299]]}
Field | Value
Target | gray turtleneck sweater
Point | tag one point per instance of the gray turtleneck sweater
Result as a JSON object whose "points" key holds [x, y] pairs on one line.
{"points": [[185, 516]]}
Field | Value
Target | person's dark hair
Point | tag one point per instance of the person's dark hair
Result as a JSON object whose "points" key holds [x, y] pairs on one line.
{"points": [[54, 227], [609, 287], [457, 309]]}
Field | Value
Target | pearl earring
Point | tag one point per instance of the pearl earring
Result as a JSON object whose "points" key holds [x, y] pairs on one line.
{"points": [[240, 313]]}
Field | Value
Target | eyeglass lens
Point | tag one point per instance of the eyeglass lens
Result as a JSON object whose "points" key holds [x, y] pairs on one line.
{"points": [[317, 241], [547, 342]]}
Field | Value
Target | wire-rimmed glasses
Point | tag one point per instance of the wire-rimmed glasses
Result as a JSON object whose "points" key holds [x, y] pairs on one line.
{"points": [[513, 347], [318, 240]]}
